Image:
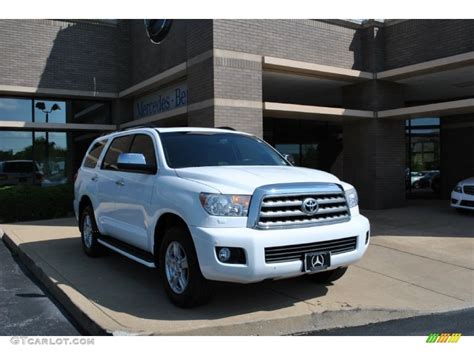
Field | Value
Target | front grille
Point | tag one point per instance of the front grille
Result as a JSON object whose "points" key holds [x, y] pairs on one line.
{"points": [[469, 189], [296, 252], [286, 210], [467, 203]]}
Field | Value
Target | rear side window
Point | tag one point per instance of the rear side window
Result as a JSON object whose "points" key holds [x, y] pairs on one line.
{"points": [[118, 146], [94, 154], [143, 144]]}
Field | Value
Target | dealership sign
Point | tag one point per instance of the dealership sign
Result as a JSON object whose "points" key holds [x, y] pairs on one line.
{"points": [[163, 100]]}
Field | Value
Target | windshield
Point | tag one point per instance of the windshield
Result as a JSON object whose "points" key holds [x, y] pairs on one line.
{"points": [[193, 149]]}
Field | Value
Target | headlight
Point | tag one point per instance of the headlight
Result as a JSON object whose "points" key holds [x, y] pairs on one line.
{"points": [[351, 198], [458, 188], [225, 205]]}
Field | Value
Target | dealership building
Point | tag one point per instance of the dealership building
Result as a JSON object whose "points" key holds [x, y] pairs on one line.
{"points": [[374, 102]]}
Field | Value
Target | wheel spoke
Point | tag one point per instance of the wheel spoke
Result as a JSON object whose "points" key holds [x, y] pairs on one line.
{"points": [[183, 281], [184, 263], [175, 281], [176, 250]]}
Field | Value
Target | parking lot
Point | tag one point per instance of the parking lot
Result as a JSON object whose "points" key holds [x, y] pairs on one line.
{"points": [[420, 261]]}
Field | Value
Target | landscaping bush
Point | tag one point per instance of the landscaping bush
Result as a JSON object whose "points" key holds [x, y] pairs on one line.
{"points": [[27, 203]]}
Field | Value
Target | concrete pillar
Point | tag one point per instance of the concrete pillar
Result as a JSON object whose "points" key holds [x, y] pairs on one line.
{"points": [[374, 149]]}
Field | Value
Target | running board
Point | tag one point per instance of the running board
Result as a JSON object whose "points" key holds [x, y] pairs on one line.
{"points": [[131, 252]]}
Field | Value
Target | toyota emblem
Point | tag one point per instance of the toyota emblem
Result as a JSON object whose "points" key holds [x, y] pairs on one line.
{"points": [[310, 206]]}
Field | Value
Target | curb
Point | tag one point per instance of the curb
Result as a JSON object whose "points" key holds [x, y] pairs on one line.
{"points": [[82, 319]]}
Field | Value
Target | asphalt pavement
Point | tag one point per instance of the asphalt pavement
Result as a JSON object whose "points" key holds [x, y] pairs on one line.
{"points": [[449, 322], [26, 309]]}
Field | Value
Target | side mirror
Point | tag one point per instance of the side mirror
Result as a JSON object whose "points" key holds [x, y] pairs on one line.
{"points": [[134, 162], [290, 158]]}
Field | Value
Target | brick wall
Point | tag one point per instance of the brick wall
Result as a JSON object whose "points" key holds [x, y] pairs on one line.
{"points": [[186, 39], [304, 40], [414, 41], [63, 55]]}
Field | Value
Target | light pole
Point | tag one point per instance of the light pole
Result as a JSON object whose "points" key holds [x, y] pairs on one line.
{"points": [[40, 105]]}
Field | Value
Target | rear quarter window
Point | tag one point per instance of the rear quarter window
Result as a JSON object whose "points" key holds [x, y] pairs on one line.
{"points": [[93, 155]]}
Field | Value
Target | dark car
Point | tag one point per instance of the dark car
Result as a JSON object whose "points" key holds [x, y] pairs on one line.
{"points": [[426, 180], [15, 172]]}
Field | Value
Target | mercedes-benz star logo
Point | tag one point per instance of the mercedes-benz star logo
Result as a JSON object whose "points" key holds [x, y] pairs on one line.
{"points": [[310, 206], [317, 260]]}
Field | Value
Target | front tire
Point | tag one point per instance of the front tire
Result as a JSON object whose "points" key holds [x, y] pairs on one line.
{"points": [[179, 269], [90, 233], [326, 277]]}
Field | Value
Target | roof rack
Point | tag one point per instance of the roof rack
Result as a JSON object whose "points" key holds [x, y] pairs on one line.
{"points": [[135, 127], [226, 127]]}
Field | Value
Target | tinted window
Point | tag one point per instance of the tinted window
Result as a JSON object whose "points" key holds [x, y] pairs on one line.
{"points": [[191, 149], [143, 144], [119, 145], [93, 155]]}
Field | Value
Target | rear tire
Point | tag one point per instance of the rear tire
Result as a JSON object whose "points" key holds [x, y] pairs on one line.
{"points": [[90, 233], [179, 269], [326, 277]]}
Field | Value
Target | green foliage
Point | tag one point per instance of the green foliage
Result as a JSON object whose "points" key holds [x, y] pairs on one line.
{"points": [[28, 203]]}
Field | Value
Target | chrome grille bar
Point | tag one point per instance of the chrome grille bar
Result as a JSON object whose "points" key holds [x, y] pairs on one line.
{"points": [[281, 205]]}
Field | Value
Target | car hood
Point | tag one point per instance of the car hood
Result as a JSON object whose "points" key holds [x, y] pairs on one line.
{"points": [[468, 181], [245, 179]]}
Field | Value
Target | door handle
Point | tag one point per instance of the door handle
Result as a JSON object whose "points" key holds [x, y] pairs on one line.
{"points": [[120, 183], [94, 178]]}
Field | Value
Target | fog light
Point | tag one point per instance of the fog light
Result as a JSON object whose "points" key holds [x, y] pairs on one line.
{"points": [[224, 254], [367, 236]]}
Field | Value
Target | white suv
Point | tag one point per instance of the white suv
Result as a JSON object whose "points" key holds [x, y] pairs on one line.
{"points": [[214, 204]]}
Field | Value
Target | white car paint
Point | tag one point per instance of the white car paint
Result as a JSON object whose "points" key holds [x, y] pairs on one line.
{"points": [[460, 199], [130, 212]]}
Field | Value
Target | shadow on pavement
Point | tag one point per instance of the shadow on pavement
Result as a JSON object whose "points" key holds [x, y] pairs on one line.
{"points": [[124, 286]]}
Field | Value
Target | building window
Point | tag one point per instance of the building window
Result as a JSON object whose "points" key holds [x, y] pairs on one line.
{"points": [[14, 109], [423, 157], [16, 145], [50, 152], [50, 111]]}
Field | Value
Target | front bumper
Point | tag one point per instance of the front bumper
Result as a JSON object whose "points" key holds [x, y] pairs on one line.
{"points": [[254, 242], [458, 199]]}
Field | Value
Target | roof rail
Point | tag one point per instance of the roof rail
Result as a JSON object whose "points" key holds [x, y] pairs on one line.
{"points": [[226, 127], [135, 127]]}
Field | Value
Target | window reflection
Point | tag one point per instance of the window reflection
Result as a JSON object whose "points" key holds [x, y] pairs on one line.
{"points": [[50, 111], [50, 153], [12, 109]]}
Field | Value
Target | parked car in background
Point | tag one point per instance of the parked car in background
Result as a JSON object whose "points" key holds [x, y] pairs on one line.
{"points": [[212, 204], [412, 177], [462, 197], [15, 172], [426, 180]]}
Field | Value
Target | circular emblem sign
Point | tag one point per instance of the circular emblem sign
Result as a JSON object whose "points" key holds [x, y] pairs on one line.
{"points": [[310, 206], [157, 29]]}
